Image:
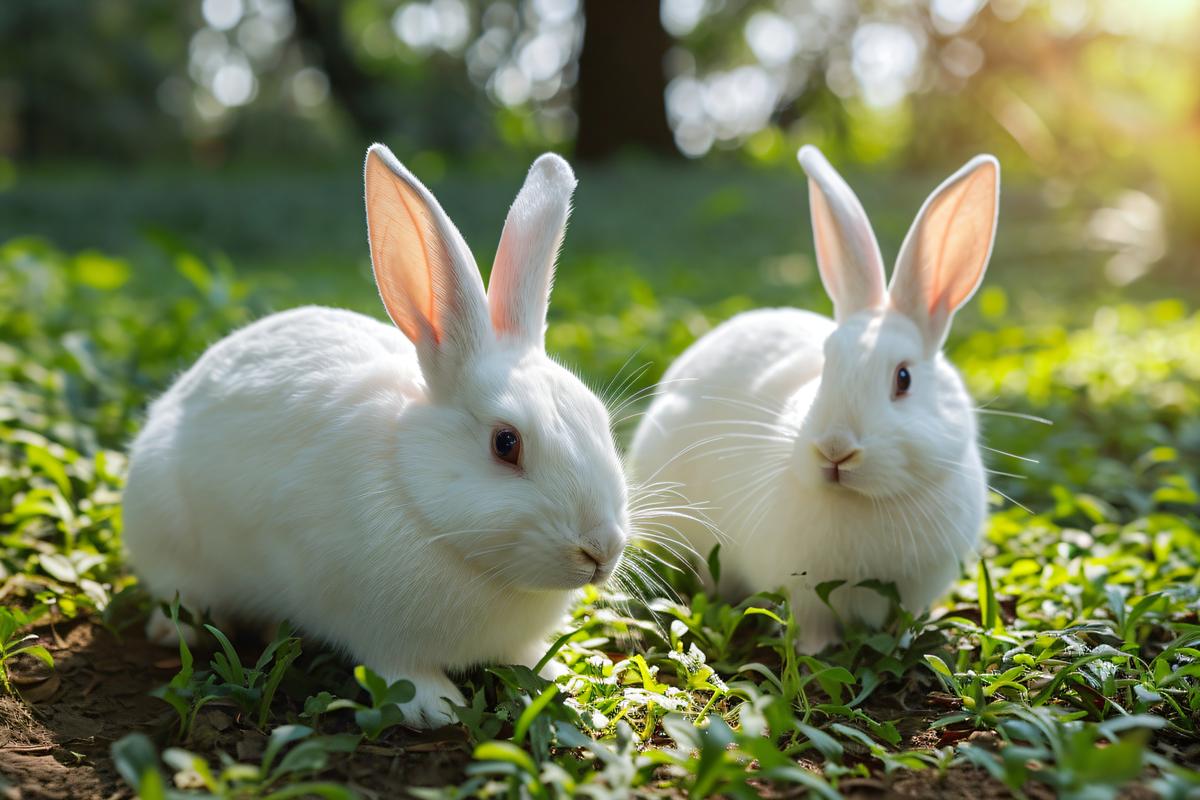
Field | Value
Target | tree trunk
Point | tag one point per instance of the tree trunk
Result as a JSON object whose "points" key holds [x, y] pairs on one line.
{"points": [[319, 24], [621, 101]]}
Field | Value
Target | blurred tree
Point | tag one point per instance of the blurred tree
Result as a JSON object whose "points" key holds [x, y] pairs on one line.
{"points": [[319, 25], [74, 80], [1100, 98], [622, 85]]}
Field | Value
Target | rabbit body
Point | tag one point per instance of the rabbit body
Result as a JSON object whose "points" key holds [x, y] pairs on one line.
{"points": [[786, 426], [784, 529], [223, 487], [326, 468]]}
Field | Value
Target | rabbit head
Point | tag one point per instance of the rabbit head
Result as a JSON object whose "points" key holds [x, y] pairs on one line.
{"points": [[508, 460], [890, 415]]}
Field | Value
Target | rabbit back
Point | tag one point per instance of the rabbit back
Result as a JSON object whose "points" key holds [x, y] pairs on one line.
{"points": [[230, 444], [731, 386]]}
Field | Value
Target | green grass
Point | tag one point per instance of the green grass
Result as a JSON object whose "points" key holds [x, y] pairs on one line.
{"points": [[1069, 661]]}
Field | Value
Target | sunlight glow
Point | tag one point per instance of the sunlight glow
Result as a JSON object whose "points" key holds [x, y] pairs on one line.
{"points": [[437, 25], [951, 16], [680, 17], [885, 60], [234, 83], [772, 38], [222, 14]]}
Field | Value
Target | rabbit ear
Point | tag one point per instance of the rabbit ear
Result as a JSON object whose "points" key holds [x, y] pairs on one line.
{"points": [[519, 288], [847, 251], [945, 253], [426, 276]]}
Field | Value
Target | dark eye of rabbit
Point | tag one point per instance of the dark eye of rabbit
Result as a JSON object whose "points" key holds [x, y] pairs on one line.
{"points": [[506, 445], [903, 381]]}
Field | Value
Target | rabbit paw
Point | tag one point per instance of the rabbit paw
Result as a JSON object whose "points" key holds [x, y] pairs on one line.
{"points": [[431, 707], [530, 656], [554, 670], [160, 630], [815, 639]]}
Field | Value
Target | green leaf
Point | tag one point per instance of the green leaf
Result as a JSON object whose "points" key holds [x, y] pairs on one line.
{"points": [[399, 693], [885, 589], [98, 271], [136, 758], [531, 711], [766, 612], [828, 746], [281, 638], [506, 752], [554, 648], [37, 651], [802, 777], [1110, 728], [833, 676], [940, 667], [826, 588], [194, 271], [232, 664], [312, 754], [42, 460], [181, 760], [370, 720], [854, 733], [376, 686], [989, 609], [280, 738], [287, 652], [329, 791], [185, 654], [714, 564]]}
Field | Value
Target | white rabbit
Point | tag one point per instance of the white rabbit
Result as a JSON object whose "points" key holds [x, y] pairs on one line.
{"points": [[839, 450], [426, 499]]}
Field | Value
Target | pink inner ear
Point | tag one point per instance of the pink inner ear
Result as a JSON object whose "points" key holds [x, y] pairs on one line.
{"points": [[955, 238], [847, 255], [831, 259], [503, 318], [402, 234], [503, 285], [519, 287]]}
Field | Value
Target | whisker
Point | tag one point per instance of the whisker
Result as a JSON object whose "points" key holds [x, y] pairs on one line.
{"points": [[605, 392], [639, 394], [1021, 506], [1011, 455], [771, 426], [985, 469], [668, 542], [745, 403], [465, 531], [1014, 414], [680, 566]]}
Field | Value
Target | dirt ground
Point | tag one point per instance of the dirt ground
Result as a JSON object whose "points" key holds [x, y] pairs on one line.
{"points": [[55, 745]]}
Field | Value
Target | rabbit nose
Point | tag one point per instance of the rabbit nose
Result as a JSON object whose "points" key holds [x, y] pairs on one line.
{"points": [[604, 543], [837, 449]]}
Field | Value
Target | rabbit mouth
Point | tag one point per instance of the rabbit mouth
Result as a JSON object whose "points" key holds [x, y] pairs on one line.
{"points": [[601, 571], [839, 476], [840, 479], [600, 575]]}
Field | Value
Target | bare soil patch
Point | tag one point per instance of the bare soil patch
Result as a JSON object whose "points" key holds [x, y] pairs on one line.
{"points": [[55, 745]]}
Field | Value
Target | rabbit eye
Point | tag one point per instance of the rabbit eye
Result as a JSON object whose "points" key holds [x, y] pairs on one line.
{"points": [[506, 446], [902, 381]]}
